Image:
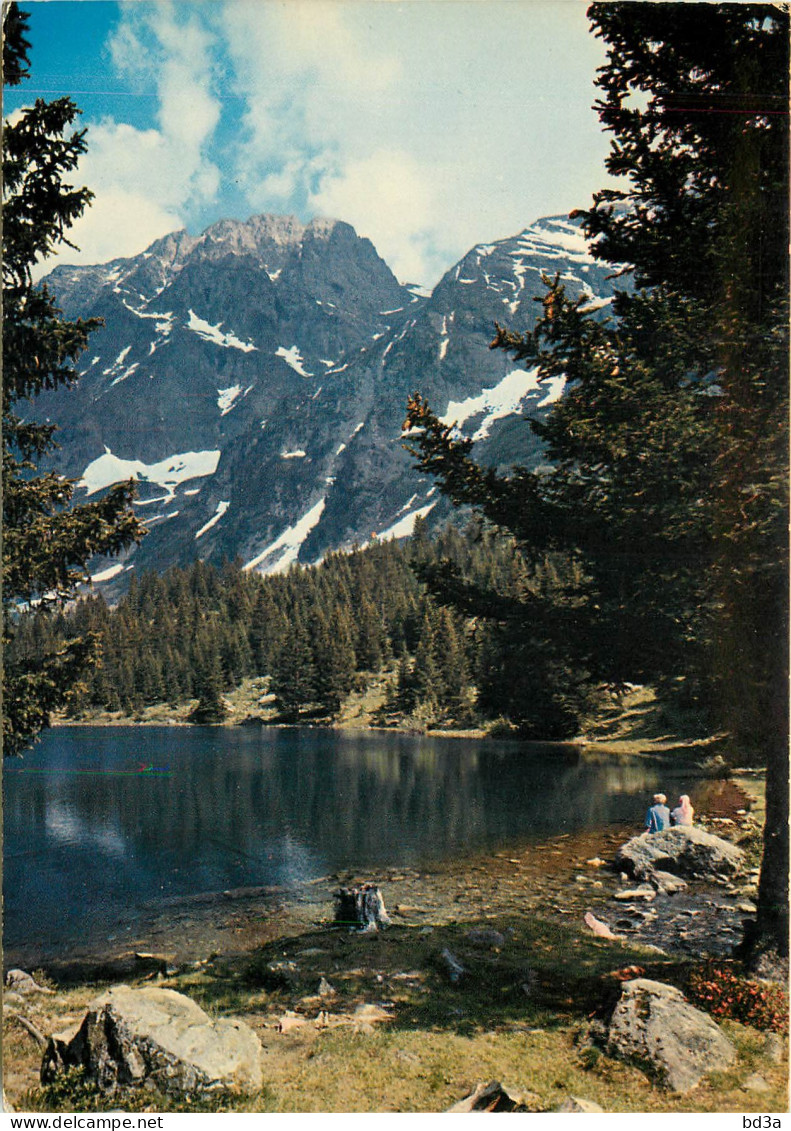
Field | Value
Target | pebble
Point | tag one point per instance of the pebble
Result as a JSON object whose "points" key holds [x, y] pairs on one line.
{"points": [[755, 1083], [646, 893]]}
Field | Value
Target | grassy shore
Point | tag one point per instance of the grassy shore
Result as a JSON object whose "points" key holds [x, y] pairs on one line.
{"points": [[393, 1032], [634, 724]]}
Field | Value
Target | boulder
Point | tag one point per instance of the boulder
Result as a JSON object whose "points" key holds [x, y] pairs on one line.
{"points": [[577, 1104], [129, 1036], [654, 1025], [682, 851], [489, 1097], [20, 982]]}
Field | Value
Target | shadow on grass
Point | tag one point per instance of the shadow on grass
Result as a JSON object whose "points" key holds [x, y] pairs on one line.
{"points": [[543, 973]]}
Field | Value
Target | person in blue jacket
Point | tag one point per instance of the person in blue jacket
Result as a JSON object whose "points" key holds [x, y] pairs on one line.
{"points": [[658, 816]]}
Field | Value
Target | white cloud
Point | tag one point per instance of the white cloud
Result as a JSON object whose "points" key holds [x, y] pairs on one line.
{"points": [[119, 223], [428, 126], [146, 181], [389, 198]]}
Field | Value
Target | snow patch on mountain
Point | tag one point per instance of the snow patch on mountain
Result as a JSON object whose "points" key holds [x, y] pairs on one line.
{"points": [[118, 363], [107, 574], [557, 239], [443, 345], [126, 373], [407, 505], [298, 453], [222, 507], [214, 334], [165, 318], [404, 526], [293, 358], [167, 473], [288, 544], [554, 387], [504, 399], [226, 398]]}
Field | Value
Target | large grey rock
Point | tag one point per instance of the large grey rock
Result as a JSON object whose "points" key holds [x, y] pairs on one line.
{"points": [[129, 1036], [654, 1025], [682, 851]]}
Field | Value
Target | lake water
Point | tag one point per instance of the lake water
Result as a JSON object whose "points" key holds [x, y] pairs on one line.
{"points": [[103, 823]]}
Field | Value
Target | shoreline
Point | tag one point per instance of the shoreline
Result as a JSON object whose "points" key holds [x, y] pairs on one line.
{"points": [[545, 877], [520, 1013], [692, 752]]}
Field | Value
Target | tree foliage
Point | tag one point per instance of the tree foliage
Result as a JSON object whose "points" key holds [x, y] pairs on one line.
{"points": [[668, 484], [47, 544]]}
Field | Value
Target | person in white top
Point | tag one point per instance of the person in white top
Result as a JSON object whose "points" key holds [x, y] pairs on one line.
{"points": [[683, 813]]}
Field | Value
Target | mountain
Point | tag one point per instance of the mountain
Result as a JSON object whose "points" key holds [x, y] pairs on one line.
{"points": [[254, 380]]}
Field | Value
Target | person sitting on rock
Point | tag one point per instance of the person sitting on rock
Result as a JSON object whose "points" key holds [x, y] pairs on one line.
{"points": [[683, 813], [658, 816]]}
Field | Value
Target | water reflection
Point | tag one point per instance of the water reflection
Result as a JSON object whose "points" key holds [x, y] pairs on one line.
{"points": [[89, 841]]}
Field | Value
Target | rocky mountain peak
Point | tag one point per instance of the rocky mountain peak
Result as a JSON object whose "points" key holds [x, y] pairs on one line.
{"points": [[253, 381]]}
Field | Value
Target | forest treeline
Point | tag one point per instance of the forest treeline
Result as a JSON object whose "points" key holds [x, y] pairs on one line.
{"points": [[318, 633]]}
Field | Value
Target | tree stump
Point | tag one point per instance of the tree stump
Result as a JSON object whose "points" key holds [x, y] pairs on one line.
{"points": [[361, 907]]}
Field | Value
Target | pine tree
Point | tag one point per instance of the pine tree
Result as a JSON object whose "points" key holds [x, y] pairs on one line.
{"points": [[333, 656], [668, 493], [47, 543], [294, 673], [208, 683]]}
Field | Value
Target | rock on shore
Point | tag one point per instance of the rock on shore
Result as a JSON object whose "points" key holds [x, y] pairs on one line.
{"points": [[132, 1035], [653, 1024], [682, 851]]}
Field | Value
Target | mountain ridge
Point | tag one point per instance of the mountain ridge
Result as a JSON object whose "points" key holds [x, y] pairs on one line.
{"points": [[253, 379]]}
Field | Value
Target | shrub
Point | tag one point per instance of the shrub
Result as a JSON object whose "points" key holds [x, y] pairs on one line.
{"points": [[720, 991]]}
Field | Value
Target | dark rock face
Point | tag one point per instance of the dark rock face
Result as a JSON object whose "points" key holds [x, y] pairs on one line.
{"points": [[682, 851], [654, 1025], [254, 381]]}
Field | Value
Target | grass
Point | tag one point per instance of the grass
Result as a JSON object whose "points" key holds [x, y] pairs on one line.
{"points": [[520, 1014]]}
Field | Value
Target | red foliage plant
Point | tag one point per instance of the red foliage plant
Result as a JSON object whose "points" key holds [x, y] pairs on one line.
{"points": [[720, 991]]}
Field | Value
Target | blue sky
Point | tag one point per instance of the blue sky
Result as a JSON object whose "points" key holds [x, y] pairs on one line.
{"points": [[430, 125]]}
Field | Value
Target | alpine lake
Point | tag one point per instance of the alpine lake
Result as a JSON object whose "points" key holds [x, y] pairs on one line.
{"points": [[117, 838]]}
